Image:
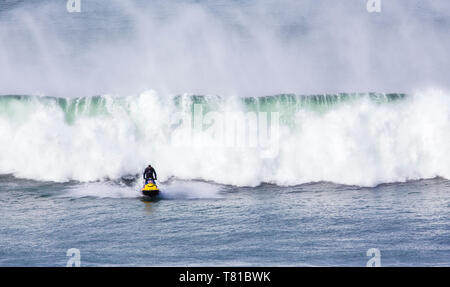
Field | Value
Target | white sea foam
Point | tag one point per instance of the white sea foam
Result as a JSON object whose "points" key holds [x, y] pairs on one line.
{"points": [[169, 190], [102, 190], [359, 142]]}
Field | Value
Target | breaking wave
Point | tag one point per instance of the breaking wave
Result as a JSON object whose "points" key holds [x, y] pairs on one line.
{"points": [[357, 139]]}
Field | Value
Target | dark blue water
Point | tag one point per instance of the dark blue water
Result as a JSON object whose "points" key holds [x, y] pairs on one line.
{"points": [[199, 224]]}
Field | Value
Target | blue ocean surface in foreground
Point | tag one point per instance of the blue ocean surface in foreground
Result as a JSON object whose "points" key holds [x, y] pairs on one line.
{"points": [[202, 224]]}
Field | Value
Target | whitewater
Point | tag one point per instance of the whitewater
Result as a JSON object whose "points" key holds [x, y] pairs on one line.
{"points": [[354, 139]]}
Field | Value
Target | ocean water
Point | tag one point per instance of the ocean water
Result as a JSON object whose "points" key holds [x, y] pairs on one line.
{"points": [[204, 224], [284, 133]]}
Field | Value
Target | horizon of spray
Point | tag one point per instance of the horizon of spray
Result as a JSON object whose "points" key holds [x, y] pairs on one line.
{"points": [[243, 48]]}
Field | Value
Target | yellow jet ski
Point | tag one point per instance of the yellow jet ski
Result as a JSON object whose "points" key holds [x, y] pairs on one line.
{"points": [[150, 189]]}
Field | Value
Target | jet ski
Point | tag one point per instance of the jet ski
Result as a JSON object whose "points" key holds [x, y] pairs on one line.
{"points": [[150, 189]]}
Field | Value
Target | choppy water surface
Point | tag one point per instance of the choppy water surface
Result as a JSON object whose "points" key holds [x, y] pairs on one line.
{"points": [[198, 223]]}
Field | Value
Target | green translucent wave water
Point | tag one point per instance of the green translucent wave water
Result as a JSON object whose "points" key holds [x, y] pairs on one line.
{"points": [[16, 106], [287, 105]]}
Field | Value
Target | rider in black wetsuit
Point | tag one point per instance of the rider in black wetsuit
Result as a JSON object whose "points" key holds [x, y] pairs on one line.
{"points": [[150, 174]]}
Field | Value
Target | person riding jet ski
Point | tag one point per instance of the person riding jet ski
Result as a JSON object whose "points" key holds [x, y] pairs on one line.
{"points": [[150, 189], [150, 174]]}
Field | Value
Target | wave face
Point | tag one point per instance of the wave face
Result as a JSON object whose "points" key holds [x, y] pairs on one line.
{"points": [[357, 139]]}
